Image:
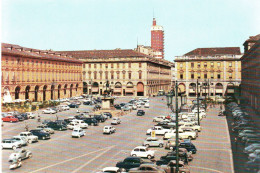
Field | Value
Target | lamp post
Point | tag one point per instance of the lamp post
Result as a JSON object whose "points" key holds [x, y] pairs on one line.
{"points": [[169, 97], [198, 107]]}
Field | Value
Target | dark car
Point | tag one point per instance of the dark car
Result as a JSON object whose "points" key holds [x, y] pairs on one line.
{"points": [[253, 165], [80, 117], [19, 117], [97, 107], [118, 107], [122, 104], [130, 162], [161, 123], [99, 118], [188, 145], [88, 103], [140, 113], [24, 115], [41, 134], [91, 121], [73, 106], [108, 114], [62, 122], [56, 126]]}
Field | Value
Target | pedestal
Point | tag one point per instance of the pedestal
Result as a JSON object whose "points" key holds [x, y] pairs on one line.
{"points": [[107, 102]]}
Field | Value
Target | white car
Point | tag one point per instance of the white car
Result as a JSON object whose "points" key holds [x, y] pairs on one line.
{"points": [[81, 123], [29, 136], [142, 151], [20, 155], [182, 134], [109, 130], [116, 121], [147, 105], [134, 107], [31, 115], [160, 119], [158, 130], [49, 111], [73, 125], [10, 143], [194, 127], [78, 132], [22, 140], [111, 170], [138, 105]]}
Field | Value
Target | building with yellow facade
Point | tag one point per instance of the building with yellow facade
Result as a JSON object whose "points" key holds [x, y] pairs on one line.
{"points": [[38, 75], [218, 70], [129, 72]]}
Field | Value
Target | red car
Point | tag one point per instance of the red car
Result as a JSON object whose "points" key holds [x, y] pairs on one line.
{"points": [[10, 119]]}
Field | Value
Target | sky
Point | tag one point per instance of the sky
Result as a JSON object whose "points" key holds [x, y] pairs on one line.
{"points": [[111, 24]]}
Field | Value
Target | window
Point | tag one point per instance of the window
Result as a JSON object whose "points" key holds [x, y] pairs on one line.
{"points": [[192, 76], [198, 75], [212, 64], [199, 65], [140, 75], [130, 75], [123, 65], [219, 76], [84, 65], [117, 74], [192, 64], [230, 64], [89, 75], [117, 65], [89, 65], [181, 76], [123, 74], [112, 75], [205, 76], [230, 75], [140, 65], [212, 75], [112, 65], [106, 65], [106, 75], [218, 64], [129, 65], [205, 64], [95, 66], [181, 65]]}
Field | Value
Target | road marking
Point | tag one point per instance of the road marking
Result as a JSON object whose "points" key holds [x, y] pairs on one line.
{"points": [[70, 159], [209, 169], [82, 166]]}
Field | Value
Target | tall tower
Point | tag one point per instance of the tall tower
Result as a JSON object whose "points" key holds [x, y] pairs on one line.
{"points": [[157, 40]]}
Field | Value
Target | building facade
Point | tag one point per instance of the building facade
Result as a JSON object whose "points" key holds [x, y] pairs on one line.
{"points": [[250, 86], [218, 71], [128, 72], [38, 75], [157, 40]]}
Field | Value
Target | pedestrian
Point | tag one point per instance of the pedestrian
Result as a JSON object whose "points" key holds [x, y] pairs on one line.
{"points": [[235, 143], [26, 128]]}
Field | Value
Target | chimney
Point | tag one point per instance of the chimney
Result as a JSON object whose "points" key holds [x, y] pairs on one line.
{"points": [[154, 22]]}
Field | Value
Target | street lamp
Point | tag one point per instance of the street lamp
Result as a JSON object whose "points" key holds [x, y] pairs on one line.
{"points": [[198, 107], [169, 97]]}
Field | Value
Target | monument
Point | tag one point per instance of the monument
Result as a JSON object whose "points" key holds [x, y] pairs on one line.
{"points": [[107, 100]]}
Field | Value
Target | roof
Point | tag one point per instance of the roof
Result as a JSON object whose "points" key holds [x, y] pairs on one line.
{"points": [[214, 51], [16, 50], [254, 38], [104, 53]]}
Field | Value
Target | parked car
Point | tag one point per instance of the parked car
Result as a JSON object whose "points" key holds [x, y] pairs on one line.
{"points": [[158, 130], [56, 126], [130, 162], [253, 165], [116, 121], [91, 121], [251, 148], [22, 140], [134, 107], [78, 132], [118, 107], [20, 155], [254, 155], [126, 108], [147, 105], [147, 168], [31, 115], [109, 130], [140, 112], [182, 134], [172, 164], [10, 143], [81, 123], [108, 114], [153, 142], [73, 106], [29, 136], [10, 119], [111, 170], [41, 134], [100, 118], [142, 151], [49, 111], [19, 117], [46, 129], [160, 119]]}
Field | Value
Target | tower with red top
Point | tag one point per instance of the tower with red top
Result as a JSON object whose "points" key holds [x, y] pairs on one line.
{"points": [[157, 40]]}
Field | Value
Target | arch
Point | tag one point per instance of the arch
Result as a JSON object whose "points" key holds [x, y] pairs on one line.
{"points": [[230, 89], [27, 90], [59, 88], [219, 89], [95, 84], [71, 87], [65, 89], [118, 85], [95, 88], [181, 88], [17, 92], [52, 92], [85, 88], [129, 85], [36, 90], [140, 89], [77, 85], [129, 91], [192, 90], [118, 89], [44, 92]]}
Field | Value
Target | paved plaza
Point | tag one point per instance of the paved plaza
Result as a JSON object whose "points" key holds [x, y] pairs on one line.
{"points": [[95, 151]]}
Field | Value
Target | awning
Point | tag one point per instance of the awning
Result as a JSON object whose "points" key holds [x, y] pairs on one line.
{"points": [[94, 90], [129, 90], [219, 90], [117, 90]]}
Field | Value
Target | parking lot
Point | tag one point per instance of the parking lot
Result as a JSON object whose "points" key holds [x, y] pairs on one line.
{"points": [[95, 151]]}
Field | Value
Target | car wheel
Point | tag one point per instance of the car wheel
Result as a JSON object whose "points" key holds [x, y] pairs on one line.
{"points": [[14, 147], [30, 155], [149, 156], [134, 155], [160, 145], [171, 148], [147, 145]]}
